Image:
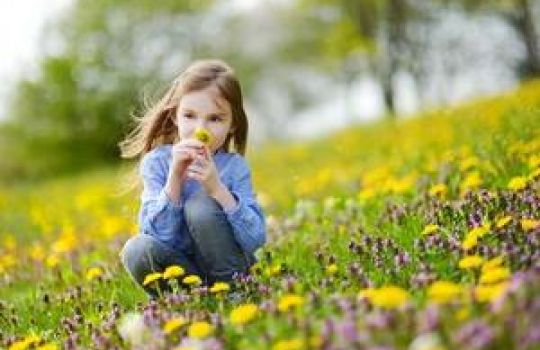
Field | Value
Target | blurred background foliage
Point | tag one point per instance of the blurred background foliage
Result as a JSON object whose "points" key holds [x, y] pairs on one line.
{"points": [[103, 59]]}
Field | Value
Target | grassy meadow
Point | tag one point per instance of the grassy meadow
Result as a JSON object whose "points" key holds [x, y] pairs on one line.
{"points": [[421, 233]]}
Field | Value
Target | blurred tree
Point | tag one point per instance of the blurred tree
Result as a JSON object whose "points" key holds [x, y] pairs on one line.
{"points": [[520, 15], [78, 108], [376, 30]]}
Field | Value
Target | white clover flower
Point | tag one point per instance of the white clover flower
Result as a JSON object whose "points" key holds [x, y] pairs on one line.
{"points": [[132, 329], [427, 341]]}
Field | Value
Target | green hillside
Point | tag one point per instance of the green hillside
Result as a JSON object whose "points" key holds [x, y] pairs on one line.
{"points": [[421, 233]]}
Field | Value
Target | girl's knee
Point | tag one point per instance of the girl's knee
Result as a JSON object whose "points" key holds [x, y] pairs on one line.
{"points": [[201, 209], [138, 254], [134, 246]]}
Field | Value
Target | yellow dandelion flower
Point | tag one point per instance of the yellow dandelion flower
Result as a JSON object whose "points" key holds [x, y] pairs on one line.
{"points": [[331, 269], [493, 263], [48, 346], [203, 135], [25, 343], [9, 241], [192, 280], [471, 181], [494, 275], [289, 301], [315, 341], [291, 344], [469, 242], [365, 194], [471, 262], [152, 277], [173, 324], [502, 222], [52, 261], [218, 287], [93, 272], [429, 229], [273, 270], [534, 161], [389, 297], [243, 314], [255, 268], [402, 185], [8, 260], [200, 330], [67, 240], [439, 189], [468, 163], [517, 183], [485, 293], [480, 231], [463, 313], [534, 174], [37, 252], [367, 293], [173, 272], [529, 224], [443, 292], [112, 225]]}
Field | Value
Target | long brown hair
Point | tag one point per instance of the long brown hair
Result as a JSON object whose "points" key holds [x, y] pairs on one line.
{"points": [[156, 126]]}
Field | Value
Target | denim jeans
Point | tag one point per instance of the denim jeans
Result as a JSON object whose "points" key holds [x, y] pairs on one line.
{"points": [[215, 256]]}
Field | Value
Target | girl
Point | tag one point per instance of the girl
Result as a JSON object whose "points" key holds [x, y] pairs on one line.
{"points": [[198, 209]]}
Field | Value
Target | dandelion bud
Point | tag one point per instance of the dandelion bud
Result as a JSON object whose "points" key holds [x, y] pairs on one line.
{"points": [[203, 135]]}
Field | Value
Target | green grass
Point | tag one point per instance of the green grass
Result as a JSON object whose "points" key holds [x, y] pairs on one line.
{"points": [[317, 215]]}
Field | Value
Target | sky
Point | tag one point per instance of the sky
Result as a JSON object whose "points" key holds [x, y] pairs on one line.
{"points": [[21, 25]]}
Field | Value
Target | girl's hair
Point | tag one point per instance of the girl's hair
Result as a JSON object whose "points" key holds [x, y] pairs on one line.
{"points": [[156, 126]]}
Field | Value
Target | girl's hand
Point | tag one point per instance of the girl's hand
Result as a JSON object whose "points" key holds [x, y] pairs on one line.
{"points": [[183, 154], [204, 170]]}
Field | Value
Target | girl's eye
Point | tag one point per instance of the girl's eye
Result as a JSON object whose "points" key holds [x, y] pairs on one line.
{"points": [[188, 115], [215, 118]]}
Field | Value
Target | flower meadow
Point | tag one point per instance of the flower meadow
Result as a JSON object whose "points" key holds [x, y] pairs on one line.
{"points": [[421, 234]]}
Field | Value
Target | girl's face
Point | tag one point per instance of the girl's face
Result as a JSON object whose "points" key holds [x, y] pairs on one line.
{"points": [[206, 109]]}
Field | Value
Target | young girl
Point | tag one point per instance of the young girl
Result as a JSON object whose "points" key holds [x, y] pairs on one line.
{"points": [[198, 209]]}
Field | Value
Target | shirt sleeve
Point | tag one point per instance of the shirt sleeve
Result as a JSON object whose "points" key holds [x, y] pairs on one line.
{"points": [[247, 219], [159, 216]]}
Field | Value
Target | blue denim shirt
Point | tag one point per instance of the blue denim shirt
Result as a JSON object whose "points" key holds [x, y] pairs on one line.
{"points": [[164, 219]]}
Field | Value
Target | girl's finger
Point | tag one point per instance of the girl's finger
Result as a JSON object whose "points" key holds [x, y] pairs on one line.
{"points": [[191, 149], [202, 160], [195, 169], [191, 143], [194, 174], [206, 153], [181, 149]]}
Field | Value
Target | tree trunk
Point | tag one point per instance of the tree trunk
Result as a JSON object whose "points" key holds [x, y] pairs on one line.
{"points": [[526, 26], [388, 94], [396, 19]]}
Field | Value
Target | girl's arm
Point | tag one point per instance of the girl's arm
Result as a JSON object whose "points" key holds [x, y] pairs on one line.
{"points": [[160, 213], [246, 217], [173, 187], [224, 197]]}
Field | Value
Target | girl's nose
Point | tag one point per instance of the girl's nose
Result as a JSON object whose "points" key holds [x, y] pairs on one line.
{"points": [[203, 124]]}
